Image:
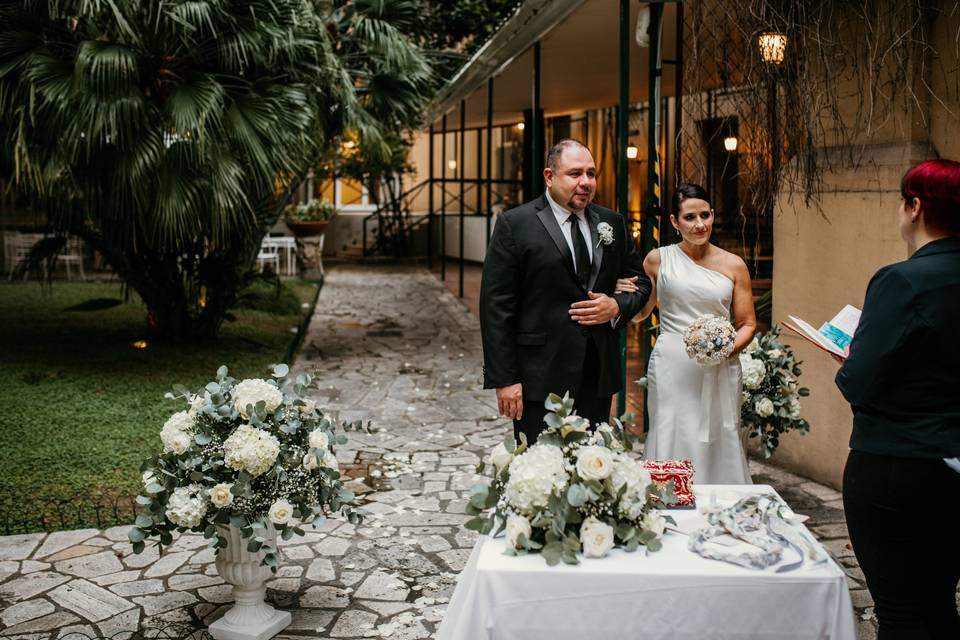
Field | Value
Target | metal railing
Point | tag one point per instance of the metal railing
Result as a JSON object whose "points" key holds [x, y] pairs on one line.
{"points": [[56, 514]]}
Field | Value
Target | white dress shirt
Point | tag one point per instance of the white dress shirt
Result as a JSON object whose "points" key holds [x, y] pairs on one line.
{"points": [[562, 215]]}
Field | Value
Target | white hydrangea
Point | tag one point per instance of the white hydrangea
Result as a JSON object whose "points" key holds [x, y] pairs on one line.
{"points": [[250, 449], [655, 522], [754, 371], [753, 347], [630, 472], [763, 406], [252, 391], [177, 433], [534, 475], [186, 506]]}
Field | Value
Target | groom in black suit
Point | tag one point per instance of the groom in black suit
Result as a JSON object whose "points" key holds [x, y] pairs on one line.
{"points": [[548, 314]]}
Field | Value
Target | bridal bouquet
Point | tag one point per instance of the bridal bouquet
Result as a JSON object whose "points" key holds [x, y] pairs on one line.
{"points": [[771, 394], [709, 340], [573, 491], [252, 454]]}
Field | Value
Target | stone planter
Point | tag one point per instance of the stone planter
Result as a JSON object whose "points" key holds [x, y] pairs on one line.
{"points": [[307, 228], [250, 618]]}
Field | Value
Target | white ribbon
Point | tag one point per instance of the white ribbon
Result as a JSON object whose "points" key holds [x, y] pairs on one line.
{"points": [[716, 376]]}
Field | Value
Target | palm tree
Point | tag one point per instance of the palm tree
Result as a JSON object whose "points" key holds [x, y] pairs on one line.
{"points": [[169, 135]]}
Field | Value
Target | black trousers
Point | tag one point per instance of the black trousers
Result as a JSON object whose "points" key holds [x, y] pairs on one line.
{"points": [[586, 401], [903, 515]]}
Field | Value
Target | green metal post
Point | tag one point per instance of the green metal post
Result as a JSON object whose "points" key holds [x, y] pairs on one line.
{"points": [[460, 173], [430, 205], [536, 163], [489, 157], [443, 201], [623, 194], [651, 221]]}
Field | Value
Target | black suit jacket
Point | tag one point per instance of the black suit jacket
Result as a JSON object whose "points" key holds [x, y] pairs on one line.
{"points": [[528, 286], [902, 375]]}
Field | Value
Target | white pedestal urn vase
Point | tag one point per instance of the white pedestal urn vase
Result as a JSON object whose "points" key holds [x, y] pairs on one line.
{"points": [[250, 618]]}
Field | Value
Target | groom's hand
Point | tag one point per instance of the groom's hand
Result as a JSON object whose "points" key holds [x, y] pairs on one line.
{"points": [[510, 401], [598, 309]]}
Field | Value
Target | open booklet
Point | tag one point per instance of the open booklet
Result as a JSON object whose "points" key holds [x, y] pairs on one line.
{"points": [[834, 336]]}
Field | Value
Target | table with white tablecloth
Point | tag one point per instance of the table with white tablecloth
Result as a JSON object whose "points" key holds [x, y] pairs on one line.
{"points": [[672, 594]]}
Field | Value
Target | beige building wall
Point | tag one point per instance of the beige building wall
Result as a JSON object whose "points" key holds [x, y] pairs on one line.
{"points": [[824, 258]]}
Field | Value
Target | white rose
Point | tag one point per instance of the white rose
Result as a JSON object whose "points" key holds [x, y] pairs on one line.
{"points": [[180, 442], [793, 406], [310, 462], [250, 392], [774, 353], [280, 512], [655, 522], [535, 475], [754, 371], [220, 495], [329, 460], [763, 406], [309, 406], [517, 525], [196, 404], [596, 538], [500, 458], [594, 463], [753, 347], [319, 439]]}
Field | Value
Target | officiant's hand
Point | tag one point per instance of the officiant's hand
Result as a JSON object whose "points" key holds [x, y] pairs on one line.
{"points": [[510, 401], [598, 309]]}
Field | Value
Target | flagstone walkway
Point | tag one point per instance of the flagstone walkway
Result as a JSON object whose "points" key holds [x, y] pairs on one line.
{"points": [[390, 346]]}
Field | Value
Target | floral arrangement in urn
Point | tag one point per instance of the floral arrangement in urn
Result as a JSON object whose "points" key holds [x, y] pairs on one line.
{"points": [[771, 394], [573, 491], [255, 456], [309, 218]]}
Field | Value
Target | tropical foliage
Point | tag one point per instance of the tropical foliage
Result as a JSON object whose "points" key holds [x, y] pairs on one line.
{"points": [[170, 135]]}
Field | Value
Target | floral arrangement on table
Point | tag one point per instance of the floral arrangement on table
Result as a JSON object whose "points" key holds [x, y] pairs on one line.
{"points": [[572, 491], [255, 455], [709, 340], [314, 211], [771, 394]]}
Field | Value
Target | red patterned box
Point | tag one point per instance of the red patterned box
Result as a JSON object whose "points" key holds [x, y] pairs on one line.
{"points": [[681, 472]]}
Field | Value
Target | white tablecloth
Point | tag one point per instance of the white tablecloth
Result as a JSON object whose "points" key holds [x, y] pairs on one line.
{"points": [[672, 594]]}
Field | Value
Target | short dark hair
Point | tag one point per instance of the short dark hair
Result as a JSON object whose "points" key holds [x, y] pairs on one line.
{"points": [[686, 191], [553, 155], [936, 183]]}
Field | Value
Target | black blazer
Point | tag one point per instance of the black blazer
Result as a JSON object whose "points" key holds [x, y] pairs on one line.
{"points": [[528, 286], [903, 374]]}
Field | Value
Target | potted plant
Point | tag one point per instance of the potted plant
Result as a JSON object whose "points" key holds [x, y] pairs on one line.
{"points": [[309, 219]]}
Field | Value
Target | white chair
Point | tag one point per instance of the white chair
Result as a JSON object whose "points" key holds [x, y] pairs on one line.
{"points": [[269, 253], [72, 254], [320, 253], [16, 247]]}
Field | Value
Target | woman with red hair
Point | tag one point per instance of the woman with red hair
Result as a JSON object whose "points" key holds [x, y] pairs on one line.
{"points": [[901, 484]]}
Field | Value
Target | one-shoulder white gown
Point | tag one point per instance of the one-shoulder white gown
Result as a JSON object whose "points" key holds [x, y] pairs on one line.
{"points": [[694, 410]]}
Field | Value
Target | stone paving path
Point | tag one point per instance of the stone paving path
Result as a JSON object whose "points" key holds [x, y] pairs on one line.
{"points": [[391, 346]]}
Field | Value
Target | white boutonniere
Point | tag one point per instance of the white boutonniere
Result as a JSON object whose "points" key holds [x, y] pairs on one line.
{"points": [[605, 231]]}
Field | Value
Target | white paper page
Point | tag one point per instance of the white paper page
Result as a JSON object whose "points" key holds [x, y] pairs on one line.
{"points": [[847, 320], [816, 336]]}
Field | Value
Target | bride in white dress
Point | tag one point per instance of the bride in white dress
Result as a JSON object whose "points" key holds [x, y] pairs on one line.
{"points": [[694, 410]]}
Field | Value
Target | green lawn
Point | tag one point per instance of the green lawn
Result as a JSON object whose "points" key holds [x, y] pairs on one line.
{"points": [[82, 407]]}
